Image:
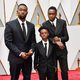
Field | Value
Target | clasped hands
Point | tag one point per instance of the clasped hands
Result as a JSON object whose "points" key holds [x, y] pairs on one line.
{"points": [[57, 41], [25, 55]]}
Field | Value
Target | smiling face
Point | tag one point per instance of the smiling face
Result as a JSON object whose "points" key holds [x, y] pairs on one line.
{"points": [[22, 11], [52, 14], [44, 34]]}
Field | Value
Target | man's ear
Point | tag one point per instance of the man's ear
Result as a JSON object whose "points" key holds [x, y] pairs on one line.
{"points": [[27, 12], [48, 34], [17, 12], [40, 34]]}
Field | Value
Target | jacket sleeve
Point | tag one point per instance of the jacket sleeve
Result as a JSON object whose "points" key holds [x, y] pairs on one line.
{"points": [[36, 59], [8, 37], [33, 39], [64, 37]]}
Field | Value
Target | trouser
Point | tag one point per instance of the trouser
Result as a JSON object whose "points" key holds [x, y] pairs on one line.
{"points": [[16, 68], [62, 58]]}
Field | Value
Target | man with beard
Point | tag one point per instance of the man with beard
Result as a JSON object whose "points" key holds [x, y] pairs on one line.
{"points": [[20, 40], [59, 37]]}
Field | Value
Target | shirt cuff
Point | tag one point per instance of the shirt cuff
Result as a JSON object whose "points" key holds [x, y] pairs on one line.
{"points": [[20, 54]]}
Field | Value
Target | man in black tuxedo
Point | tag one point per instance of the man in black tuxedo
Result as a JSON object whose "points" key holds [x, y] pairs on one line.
{"points": [[58, 36], [44, 59], [20, 40]]}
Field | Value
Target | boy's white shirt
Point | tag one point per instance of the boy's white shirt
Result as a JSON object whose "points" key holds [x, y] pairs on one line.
{"points": [[47, 45]]}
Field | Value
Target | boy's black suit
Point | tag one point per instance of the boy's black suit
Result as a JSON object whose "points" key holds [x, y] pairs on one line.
{"points": [[45, 65]]}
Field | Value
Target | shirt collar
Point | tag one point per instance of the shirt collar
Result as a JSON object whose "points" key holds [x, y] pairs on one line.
{"points": [[45, 42], [53, 21], [21, 21]]}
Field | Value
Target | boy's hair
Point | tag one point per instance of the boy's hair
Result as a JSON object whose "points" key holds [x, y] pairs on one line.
{"points": [[43, 27], [52, 7]]}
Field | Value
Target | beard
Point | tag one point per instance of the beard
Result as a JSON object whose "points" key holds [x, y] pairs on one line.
{"points": [[22, 17]]}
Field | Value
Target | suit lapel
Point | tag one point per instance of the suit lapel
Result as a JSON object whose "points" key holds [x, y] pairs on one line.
{"points": [[42, 51], [58, 26], [54, 28], [51, 27], [41, 48], [19, 28], [28, 30], [49, 50]]}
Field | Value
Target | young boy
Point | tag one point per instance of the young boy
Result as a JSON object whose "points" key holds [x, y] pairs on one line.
{"points": [[44, 59]]}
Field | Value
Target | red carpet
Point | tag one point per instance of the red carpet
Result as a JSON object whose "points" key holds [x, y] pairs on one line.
{"points": [[73, 75]]}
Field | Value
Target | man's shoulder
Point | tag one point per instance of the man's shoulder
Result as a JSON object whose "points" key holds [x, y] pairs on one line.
{"points": [[37, 44], [62, 20], [29, 23], [12, 21], [46, 22]]}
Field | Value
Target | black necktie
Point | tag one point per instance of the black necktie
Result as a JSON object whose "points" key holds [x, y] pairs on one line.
{"points": [[24, 30], [54, 26], [45, 49]]}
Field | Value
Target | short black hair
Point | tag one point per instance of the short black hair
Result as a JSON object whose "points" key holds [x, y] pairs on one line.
{"points": [[43, 27], [52, 7], [22, 5]]}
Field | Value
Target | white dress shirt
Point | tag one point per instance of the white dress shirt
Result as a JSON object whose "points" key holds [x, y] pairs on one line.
{"points": [[46, 45], [25, 24], [54, 22]]}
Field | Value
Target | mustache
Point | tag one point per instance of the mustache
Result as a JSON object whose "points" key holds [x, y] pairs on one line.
{"points": [[22, 17]]}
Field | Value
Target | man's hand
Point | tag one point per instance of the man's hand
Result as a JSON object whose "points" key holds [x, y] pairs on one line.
{"points": [[29, 53], [57, 41], [60, 44], [56, 38], [23, 55], [26, 55]]}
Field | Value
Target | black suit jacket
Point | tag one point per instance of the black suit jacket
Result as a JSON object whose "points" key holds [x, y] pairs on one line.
{"points": [[15, 41], [60, 31], [41, 62]]}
